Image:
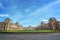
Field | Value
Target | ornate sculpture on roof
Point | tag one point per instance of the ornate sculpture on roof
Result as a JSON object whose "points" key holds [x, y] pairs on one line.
{"points": [[52, 19], [8, 20]]}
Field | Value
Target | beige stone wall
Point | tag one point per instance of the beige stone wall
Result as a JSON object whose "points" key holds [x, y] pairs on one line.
{"points": [[14, 27]]}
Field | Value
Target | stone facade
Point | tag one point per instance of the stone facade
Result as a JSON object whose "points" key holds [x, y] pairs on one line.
{"points": [[58, 25], [52, 24], [8, 25], [44, 25]]}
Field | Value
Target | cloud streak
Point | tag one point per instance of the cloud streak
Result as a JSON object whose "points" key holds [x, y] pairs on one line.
{"points": [[44, 8], [41, 9]]}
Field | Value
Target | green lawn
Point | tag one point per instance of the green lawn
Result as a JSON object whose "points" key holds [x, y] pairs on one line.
{"points": [[31, 31]]}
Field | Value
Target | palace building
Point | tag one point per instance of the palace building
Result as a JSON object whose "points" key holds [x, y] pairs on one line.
{"points": [[52, 24], [8, 25]]}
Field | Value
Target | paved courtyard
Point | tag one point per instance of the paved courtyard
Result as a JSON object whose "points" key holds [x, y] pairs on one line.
{"points": [[53, 36]]}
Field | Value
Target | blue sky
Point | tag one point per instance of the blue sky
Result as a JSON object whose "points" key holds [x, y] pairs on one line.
{"points": [[29, 12]]}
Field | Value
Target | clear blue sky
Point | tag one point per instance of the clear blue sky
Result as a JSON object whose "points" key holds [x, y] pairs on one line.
{"points": [[29, 12]]}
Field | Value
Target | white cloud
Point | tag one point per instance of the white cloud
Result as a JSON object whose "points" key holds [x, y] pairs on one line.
{"points": [[44, 20], [27, 10], [4, 15], [58, 19], [1, 5]]}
